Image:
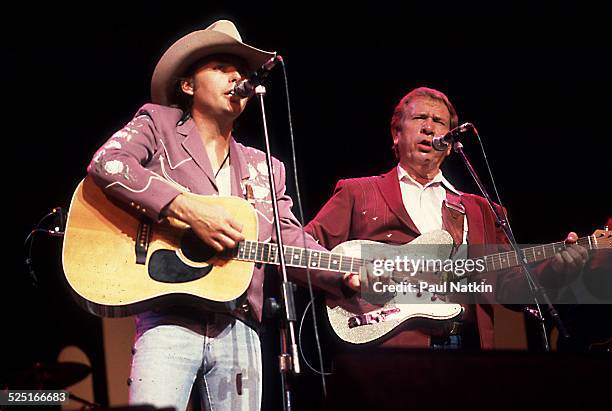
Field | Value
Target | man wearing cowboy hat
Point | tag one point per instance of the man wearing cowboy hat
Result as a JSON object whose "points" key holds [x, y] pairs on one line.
{"points": [[183, 143]]}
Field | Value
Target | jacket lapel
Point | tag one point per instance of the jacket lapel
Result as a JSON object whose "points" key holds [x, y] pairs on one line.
{"points": [[388, 185], [194, 146], [474, 220]]}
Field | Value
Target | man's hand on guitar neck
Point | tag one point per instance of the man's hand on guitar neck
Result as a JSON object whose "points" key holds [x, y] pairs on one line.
{"points": [[364, 281], [352, 281], [572, 259], [211, 223]]}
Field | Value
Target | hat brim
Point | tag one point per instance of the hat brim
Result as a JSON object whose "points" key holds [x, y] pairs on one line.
{"points": [[191, 48]]}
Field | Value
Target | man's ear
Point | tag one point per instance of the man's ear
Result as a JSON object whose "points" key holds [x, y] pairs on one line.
{"points": [[395, 135], [187, 87], [448, 150]]}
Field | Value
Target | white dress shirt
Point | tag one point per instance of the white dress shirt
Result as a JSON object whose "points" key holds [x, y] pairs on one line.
{"points": [[424, 202], [224, 181]]}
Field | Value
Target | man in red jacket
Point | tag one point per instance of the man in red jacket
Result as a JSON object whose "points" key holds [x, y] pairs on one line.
{"points": [[415, 198]]}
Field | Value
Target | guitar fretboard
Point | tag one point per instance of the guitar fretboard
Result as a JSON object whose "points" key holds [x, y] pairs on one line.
{"points": [[296, 257], [267, 253], [534, 254]]}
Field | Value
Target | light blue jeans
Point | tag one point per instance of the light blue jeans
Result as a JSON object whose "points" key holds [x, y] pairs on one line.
{"points": [[222, 356]]}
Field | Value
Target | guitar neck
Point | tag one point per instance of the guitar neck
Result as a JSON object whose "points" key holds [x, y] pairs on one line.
{"points": [[534, 254], [267, 253]]}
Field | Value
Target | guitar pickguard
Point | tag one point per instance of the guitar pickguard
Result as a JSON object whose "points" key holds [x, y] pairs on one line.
{"points": [[167, 267]]}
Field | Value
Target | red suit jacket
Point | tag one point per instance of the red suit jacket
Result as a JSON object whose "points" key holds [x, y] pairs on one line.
{"points": [[372, 208]]}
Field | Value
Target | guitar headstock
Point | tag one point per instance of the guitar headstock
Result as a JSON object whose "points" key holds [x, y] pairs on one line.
{"points": [[603, 238]]}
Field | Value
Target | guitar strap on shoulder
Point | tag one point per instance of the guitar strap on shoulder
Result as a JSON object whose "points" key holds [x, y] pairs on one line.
{"points": [[453, 217], [453, 213]]}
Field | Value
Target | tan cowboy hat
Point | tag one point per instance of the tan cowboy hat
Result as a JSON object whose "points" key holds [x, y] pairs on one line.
{"points": [[221, 37]]}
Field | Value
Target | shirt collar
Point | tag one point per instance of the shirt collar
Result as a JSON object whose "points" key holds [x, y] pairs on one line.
{"points": [[438, 179]]}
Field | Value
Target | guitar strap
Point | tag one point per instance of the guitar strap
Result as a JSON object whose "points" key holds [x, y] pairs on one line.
{"points": [[453, 215], [453, 218]]}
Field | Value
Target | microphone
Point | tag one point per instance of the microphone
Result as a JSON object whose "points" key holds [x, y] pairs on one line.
{"points": [[441, 143], [246, 87]]}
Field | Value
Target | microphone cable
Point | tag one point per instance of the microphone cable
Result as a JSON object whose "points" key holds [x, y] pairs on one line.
{"points": [[532, 286], [28, 244], [323, 372], [301, 220]]}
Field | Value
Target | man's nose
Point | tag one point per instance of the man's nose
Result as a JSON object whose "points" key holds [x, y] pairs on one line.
{"points": [[427, 127], [235, 76]]}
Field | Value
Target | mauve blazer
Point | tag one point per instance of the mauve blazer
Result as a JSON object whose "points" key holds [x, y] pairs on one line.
{"points": [[147, 163]]}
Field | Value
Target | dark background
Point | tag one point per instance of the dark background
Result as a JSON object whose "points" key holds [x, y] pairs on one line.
{"points": [[534, 80]]}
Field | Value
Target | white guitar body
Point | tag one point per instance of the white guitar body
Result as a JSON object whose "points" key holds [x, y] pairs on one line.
{"points": [[393, 314]]}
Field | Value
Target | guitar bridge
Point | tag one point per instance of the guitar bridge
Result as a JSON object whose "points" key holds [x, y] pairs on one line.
{"points": [[142, 242], [373, 317]]}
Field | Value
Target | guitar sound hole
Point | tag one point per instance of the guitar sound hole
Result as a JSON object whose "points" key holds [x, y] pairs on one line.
{"points": [[194, 249]]}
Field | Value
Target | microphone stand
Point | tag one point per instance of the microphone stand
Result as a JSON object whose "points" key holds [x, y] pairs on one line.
{"points": [[288, 357], [536, 289]]}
